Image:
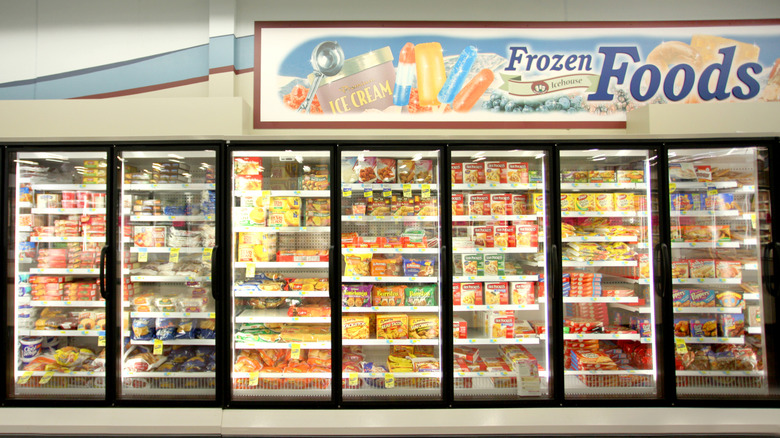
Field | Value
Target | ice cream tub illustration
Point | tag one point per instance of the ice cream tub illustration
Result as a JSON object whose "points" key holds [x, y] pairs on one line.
{"points": [[365, 82]]}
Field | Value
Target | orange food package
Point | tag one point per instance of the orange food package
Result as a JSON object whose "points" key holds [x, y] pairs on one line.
{"points": [[388, 295], [456, 172], [496, 172], [382, 266]]}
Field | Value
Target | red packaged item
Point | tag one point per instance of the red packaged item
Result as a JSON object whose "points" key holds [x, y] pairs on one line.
{"points": [[456, 171], [519, 204], [517, 173], [496, 292], [479, 204], [504, 237], [474, 173], [495, 172], [459, 328], [467, 294], [483, 236], [501, 205], [527, 236], [458, 205], [302, 255]]}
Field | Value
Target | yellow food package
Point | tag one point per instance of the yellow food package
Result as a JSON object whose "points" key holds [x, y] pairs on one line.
{"points": [[604, 202], [424, 326], [355, 327], [283, 203], [392, 326], [624, 201], [538, 202], [567, 201], [357, 265], [584, 202]]}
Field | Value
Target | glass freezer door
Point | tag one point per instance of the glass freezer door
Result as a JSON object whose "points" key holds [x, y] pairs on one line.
{"points": [[609, 228], [57, 231], [281, 232], [390, 262], [499, 251], [720, 305], [167, 235]]}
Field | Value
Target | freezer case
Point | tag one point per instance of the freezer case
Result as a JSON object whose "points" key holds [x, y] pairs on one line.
{"points": [[609, 229], [57, 232], [499, 264], [718, 222], [167, 234], [281, 235], [390, 263]]}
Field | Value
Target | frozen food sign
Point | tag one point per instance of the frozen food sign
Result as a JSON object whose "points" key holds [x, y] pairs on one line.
{"points": [[353, 75]]}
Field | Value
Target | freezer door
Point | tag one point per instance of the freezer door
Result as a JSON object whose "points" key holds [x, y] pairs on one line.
{"points": [[611, 313], [719, 207], [167, 237], [390, 266], [500, 247], [57, 231], [280, 258]]}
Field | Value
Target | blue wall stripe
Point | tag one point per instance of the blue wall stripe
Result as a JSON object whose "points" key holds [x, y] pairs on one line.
{"points": [[193, 62]]}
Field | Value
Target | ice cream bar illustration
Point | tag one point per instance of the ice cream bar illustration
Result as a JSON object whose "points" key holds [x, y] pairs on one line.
{"points": [[472, 91], [404, 76], [458, 74], [430, 72]]}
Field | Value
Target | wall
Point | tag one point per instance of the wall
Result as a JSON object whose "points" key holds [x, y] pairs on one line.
{"points": [[190, 52]]}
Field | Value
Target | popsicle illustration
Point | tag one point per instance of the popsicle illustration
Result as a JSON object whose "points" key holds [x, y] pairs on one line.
{"points": [[430, 72], [458, 74], [472, 91], [404, 76]]}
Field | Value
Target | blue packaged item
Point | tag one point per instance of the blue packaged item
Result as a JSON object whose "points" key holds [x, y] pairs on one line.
{"points": [[186, 329], [180, 353], [205, 329], [143, 329], [165, 329], [195, 364], [173, 211]]}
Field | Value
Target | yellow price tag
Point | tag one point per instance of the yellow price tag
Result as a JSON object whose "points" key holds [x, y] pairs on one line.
{"points": [[46, 377], [680, 346], [207, 254], [426, 191], [25, 377], [712, 191], [295, 351], [407, 190], [174, 256], [253, 378], [389, 380], [101, 341], [353, 379], [158, 347], [250, 270], [753, 220], [346, 192], [143, 256], [672, 187]]}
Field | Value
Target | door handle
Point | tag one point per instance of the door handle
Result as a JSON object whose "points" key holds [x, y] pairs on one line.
{"points": [[102, 271]]}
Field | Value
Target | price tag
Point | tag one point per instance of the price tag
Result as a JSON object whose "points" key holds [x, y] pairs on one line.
{"points": [[389, 380], [295, 351], [346, 192], [46, 377], [680, 346], [368, 193], [174, 256], [158, 347], [25, 377], [207, 254], [426, 191], [672, 187], [407, 190], [353, 379], [253, 378], [387, 192], [143, 256], [250, 270], [101, 341], [753, 220], [712, 191]]}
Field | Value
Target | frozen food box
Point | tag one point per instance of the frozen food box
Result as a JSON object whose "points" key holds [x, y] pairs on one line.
{"points": [[459, 328], [680, 269], [474, 173], [527, 236], [473, 265], [728, 269], [423, 326], [392, 326], [703, 173], [538, 203], [496, 172], [315, 177], [702, 298], [630, 176], [702, 268], [721, 201], [504, 236], [731, 325], [681, 298], [728, 298], [482, 236], [479, 204], [499, 325], [517, 173], [522, 292], [357, 295], [458, 204], [495, 265], [150, 237], [584, 202], [496, 292], [624, 201], [250, 216], [682, 172], [501, 204], [355, 326], [602, 176], [467, 294], [456, 173], [519, 203], [604, 202], [682, 201], [568, 202]]}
